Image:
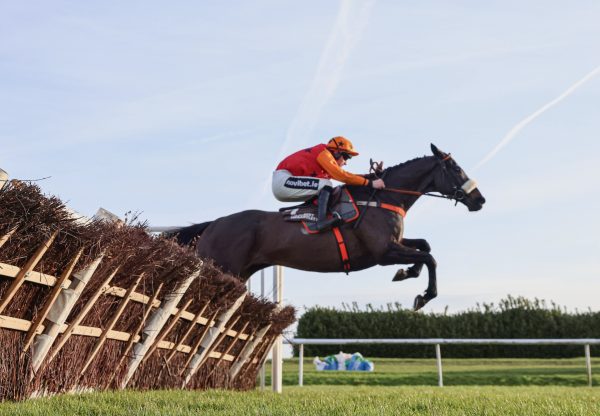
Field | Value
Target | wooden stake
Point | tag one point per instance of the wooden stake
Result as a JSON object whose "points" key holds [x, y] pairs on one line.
{"points": [[51, 299], [194, 348], [268, 348], [156, 322], [166, 331], [224, 353], [59, 313], [251, 337], [215, 344], [189, 331], [29, 266], [249, 340], [111, 325], [260, 351], [133, 335], [233, 371], [214, 333], [261, 354], [248, 350], [82, 314], [7, 236]]}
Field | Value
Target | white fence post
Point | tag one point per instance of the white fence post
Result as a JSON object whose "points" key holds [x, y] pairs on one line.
{"points": [[588, 363], [262, 295], [301, 366], [438, 356], [276, 354]]}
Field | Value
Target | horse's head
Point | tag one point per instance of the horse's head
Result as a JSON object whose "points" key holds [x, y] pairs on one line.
{"points": [[452, 181]]}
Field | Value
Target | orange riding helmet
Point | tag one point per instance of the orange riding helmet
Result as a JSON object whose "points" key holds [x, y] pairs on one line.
{"points": [[341, 144]]}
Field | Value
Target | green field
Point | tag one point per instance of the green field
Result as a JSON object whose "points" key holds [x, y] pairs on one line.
{"points": [[397, 387]]}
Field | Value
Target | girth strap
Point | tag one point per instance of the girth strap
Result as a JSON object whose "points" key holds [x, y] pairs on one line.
{"points": [[340, 238], [342, 247]]}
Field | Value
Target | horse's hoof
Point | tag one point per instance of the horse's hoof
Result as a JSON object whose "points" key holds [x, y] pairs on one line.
{"points": [[400, 276], [419, 302]]}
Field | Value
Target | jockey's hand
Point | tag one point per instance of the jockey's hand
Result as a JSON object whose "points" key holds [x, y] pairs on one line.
{"points": [[378, 184]]}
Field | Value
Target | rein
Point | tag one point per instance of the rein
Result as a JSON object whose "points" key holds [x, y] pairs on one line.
{"points": [[377, 169], [459, 192], [414, 193]]}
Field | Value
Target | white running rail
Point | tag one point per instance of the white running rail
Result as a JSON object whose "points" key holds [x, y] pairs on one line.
{"points": [[586, 342]]}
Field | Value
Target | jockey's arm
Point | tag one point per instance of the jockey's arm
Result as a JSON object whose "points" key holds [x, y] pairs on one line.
{"points": [[328, 163]]}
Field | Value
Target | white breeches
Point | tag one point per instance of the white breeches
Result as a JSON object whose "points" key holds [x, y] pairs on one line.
{"points": [[289, 188]]}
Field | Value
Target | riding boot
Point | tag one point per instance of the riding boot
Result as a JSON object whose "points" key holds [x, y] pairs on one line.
{"points": [[322, 221]]}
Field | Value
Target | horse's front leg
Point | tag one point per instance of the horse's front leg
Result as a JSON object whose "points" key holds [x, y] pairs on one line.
{"points": [[400, 254], [414, 270]]}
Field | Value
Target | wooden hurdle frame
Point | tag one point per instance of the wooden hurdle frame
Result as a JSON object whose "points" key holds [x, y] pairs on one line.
{"points": [[52, 327]]}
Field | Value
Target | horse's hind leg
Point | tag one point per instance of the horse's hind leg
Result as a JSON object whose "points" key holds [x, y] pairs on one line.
{"points": [[414, 270]]}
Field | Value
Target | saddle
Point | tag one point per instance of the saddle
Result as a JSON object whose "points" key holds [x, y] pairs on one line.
{"points": [[341, 203]]}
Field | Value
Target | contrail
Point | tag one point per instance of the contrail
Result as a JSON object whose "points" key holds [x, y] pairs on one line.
{"points": [[351, 20], [519, 126]]}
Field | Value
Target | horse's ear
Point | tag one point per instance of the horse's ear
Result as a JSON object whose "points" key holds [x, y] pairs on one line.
{"points": [[437, 152]]}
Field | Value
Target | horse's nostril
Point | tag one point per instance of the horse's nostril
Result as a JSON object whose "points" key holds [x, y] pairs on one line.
{"points": [[481, 200]]}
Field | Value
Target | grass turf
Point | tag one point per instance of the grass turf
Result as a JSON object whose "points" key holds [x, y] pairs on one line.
{"points": [[325, 400]]}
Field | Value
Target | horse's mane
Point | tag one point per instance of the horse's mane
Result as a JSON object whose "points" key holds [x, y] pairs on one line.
{"points": [[404, 164]]}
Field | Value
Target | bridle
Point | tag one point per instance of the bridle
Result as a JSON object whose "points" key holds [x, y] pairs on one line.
{"points": [[459, 192]]}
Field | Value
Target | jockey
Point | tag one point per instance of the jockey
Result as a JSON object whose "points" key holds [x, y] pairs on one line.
{"points": [[308, 172]]}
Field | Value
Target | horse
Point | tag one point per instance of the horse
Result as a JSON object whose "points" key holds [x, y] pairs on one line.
{"points": [[248, 241]]}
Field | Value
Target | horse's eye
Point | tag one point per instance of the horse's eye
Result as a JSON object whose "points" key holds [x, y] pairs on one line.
{"points": [[457, 169]]}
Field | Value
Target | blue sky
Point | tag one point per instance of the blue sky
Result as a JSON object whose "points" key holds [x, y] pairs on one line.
{"points": [[182, 111]]}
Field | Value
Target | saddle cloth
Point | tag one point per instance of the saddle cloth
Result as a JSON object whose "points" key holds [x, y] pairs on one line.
{"points": [[340, 201]]}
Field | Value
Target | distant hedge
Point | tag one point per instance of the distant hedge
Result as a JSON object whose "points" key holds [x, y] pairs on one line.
{"points": [[513, 317]]}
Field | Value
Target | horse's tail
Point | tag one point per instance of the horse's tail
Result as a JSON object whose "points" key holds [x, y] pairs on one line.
{"points": [[186, 235]]}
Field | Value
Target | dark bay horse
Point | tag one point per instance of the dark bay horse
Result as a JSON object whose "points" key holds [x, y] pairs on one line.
{"points": [[248, 241]]}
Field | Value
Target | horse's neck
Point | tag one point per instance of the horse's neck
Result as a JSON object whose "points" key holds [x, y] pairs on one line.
{"points": [[415, 175]]}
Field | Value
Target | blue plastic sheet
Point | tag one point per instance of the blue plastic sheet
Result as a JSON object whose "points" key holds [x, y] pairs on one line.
{"points": [[344, 362]]}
